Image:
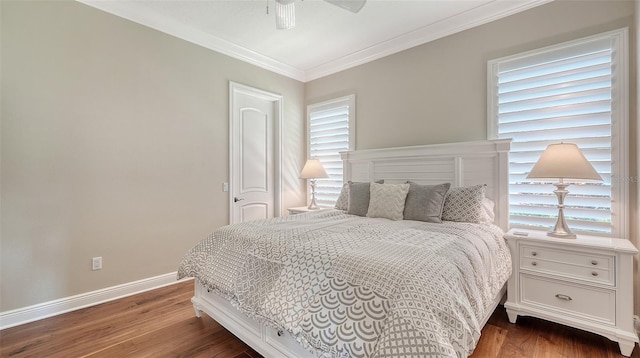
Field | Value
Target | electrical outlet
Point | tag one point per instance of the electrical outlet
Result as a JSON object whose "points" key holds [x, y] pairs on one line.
{"points": [[225, 187], [96, 263], [636, 321]]}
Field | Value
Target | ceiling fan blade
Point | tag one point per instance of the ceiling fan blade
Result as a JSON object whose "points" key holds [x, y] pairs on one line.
{"points": [[351, 5], [285, 14]]}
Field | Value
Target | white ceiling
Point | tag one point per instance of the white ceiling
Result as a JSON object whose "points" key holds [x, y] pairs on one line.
{"points": [[326, 39]]}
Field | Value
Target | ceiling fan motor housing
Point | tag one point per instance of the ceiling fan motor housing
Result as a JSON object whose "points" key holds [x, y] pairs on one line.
{"points": [[286, 12]]}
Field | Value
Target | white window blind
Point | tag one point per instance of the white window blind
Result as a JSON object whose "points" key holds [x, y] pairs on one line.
{"points": [[330, 131], [575, 92]]}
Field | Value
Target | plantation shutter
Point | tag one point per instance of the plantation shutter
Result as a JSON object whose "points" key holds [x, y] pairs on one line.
{"points": [[330, 130], [568, 93]]}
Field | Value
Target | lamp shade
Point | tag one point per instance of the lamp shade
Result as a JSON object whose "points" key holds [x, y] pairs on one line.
{"points": [[313, 169], [564, 161]]}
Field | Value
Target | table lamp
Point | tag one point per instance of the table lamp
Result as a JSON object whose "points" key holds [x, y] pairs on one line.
{"points": [[562, 162], [312, 170]]}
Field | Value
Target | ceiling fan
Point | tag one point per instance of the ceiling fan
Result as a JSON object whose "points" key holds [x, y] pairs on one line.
{"points": [[286, 14]]}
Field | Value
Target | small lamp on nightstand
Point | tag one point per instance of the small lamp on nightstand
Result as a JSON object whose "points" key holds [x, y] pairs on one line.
{"points": [[312, 170], [562, 162]]}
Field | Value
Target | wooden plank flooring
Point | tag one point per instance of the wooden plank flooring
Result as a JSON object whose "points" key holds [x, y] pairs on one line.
{"points": [[161, 323]]}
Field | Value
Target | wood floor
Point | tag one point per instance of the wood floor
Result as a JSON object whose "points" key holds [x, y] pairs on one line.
{"points": [[161, 323]]}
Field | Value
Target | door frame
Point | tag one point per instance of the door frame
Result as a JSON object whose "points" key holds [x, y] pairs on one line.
{"points": [[277, 99]]}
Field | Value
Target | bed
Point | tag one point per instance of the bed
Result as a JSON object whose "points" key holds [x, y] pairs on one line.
{"points": [[335, 283]]}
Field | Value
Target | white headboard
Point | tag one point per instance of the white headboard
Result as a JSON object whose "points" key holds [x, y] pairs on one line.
{"points": [[461, 164]]}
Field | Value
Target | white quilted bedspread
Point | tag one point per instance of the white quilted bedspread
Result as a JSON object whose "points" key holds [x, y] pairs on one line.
{"points": [[348, 286]]}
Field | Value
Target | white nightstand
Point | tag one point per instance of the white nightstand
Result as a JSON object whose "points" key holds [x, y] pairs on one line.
{"points": [[299, 210], [585, 283]]}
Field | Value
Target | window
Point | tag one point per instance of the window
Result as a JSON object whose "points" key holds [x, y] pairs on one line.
{"points": [[574, 92], [331, 130]]}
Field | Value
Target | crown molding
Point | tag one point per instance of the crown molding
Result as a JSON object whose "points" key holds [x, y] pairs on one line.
{"points": [[463, 21], [128, 10], [475, 17]]}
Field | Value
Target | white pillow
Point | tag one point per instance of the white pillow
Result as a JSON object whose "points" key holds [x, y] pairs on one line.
{"points": [[387, 200], [487, 209]]}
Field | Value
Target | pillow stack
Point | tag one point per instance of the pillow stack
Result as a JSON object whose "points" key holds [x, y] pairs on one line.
{"points": [[411, 201], [361, 195]]}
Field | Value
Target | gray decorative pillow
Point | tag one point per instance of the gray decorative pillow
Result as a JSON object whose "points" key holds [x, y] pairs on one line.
{"points": [[387, 201], [359, 194], [465, 204], [343, 200], [425, 202]]}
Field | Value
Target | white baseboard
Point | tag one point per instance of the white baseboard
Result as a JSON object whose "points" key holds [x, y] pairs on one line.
{"points": [[52, 308]]}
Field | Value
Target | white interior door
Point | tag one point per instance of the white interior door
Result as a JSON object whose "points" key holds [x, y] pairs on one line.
{"points": [[254, 120]]}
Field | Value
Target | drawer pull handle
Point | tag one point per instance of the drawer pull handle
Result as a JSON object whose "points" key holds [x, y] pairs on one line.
{"points": [[280, 333], [594, 262], [594, 274], [534, 263], [533, 253], [563, 297]]}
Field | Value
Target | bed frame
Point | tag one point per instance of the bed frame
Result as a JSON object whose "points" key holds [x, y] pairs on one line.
{"points": [[461, 164]]}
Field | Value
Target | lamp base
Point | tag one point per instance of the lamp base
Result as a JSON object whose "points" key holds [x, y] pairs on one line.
{"points": [[561, 235], [561, 230], [313, 205]]}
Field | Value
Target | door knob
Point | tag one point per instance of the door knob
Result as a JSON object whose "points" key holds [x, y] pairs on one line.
{"points": [[236, 199]]}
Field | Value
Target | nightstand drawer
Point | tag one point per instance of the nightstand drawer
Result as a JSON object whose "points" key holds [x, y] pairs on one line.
{"points": [[581, 301], [589, 267]]}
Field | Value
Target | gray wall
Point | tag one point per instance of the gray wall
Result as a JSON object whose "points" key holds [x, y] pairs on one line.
{"points": [[114, 144], [437, 92]]}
